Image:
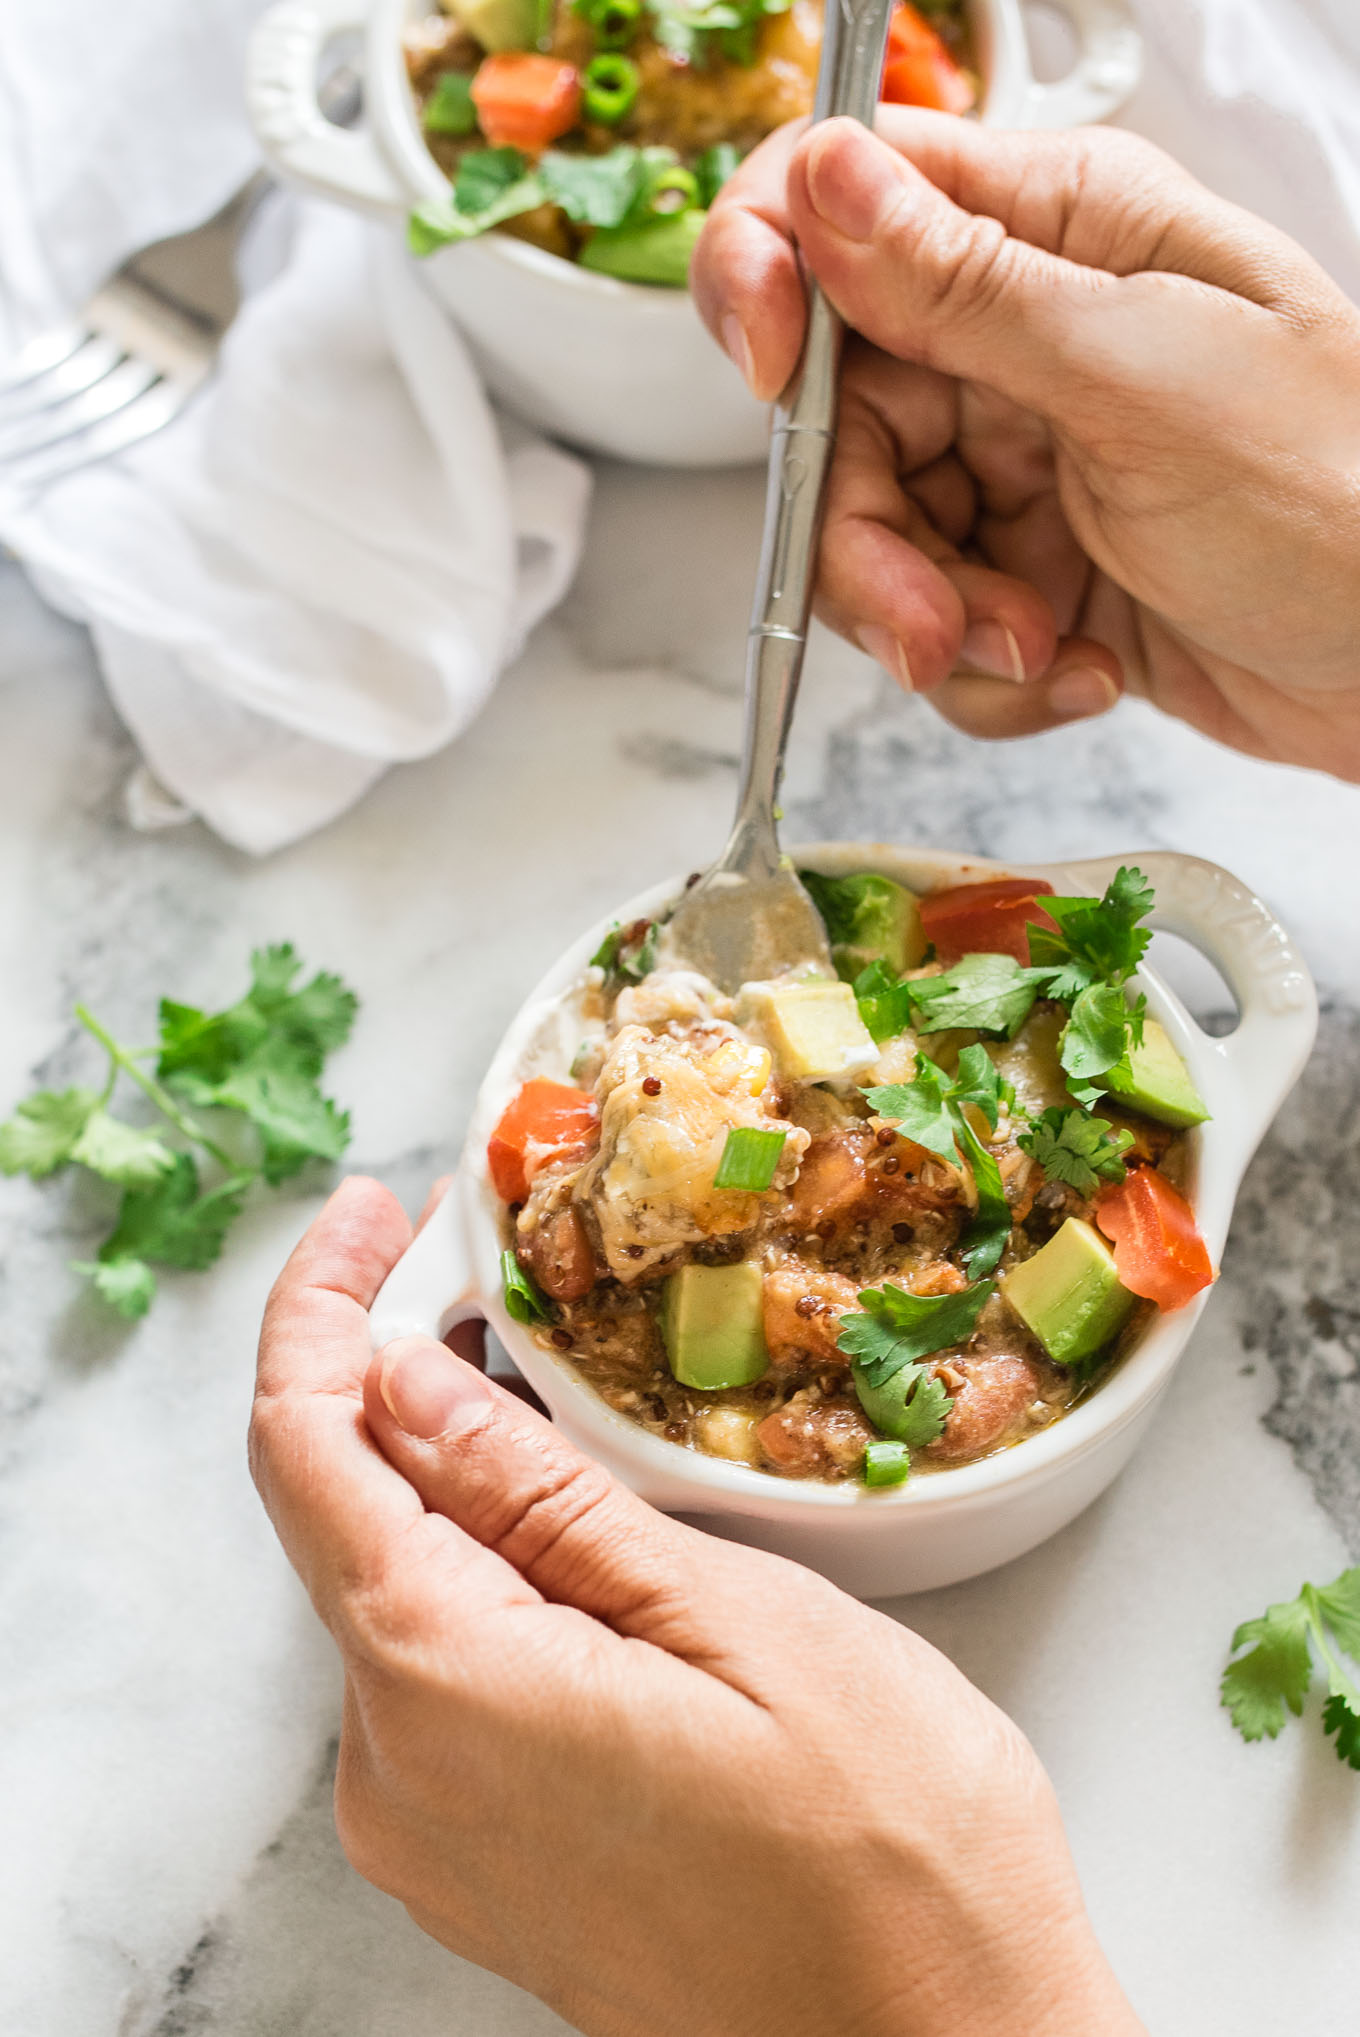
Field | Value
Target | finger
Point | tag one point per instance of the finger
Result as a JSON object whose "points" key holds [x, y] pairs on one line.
{"points": [[347, 1519], [432, 1201], [745, 277], [513, 1482], [930, 281], [1083, 681], [889, 575]]}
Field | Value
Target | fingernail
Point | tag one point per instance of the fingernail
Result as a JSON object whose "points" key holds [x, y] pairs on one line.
{"points": [[850, 181], [991, 647], [429, 1392], [885, 650], [737, 345], [1074, 695]]}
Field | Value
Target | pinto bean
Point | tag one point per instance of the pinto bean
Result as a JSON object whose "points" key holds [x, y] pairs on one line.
{"points": [[559, 1257], [794, 1332], [995, 1393], [809, 1438]]}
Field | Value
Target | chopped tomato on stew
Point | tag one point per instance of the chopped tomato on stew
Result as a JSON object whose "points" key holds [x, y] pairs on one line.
{"points": [[991, 918], [543, 1121], [919, 71], [1158, 1251], [524, 101]]}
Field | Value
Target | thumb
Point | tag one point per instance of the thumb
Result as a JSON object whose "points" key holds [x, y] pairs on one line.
{"points": [[509, 1479], [929, 281]]}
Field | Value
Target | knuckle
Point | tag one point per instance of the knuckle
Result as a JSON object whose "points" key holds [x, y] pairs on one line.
{"points": [[564, 1493]]}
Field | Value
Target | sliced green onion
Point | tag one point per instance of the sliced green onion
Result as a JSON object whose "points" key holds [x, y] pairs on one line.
{"points": [[609, 88], [750, 1158], [523, 1302], [887, 1464], [614, 23], [449, 108], [713, 166], [673, 189]]}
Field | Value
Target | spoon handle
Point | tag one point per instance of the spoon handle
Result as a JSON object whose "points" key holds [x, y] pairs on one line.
{"points": [[801, 446]]}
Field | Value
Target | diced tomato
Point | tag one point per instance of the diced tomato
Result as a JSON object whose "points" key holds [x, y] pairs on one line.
{"points": [[524, 101], [544, 1120], [919, 71], [992, 918], [1158, 1251]]}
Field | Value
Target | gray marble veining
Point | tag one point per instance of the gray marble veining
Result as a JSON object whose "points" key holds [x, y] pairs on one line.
{"points": [[168, 1701]]}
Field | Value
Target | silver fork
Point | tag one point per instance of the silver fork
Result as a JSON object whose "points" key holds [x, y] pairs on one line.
{"points": [[142, 346]]}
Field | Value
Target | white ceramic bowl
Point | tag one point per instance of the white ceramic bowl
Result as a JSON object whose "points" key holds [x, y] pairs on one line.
{"points": [[944, 1525], [615, 367]]}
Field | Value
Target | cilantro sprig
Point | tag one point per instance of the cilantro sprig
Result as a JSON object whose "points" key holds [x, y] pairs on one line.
{"points": [[1097, 947], [988, 993], [896, 1333], [1074, 1147], [255, 1066], [930, 1109], [1277, 1670]]}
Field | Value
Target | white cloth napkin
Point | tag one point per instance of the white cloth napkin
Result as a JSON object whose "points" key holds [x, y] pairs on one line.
{"points": [[321, 568]]}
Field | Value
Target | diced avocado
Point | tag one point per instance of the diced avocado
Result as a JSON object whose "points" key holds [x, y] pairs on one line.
{"points": [[886, 1406], [1157, 1082], [1069, 1293], [868, 919], [813, 1028], [713, 1325], [500, 24]]}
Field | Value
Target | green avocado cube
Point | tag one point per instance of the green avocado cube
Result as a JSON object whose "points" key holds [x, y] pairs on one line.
{"points": [[713, 1325], [868, 919], [500, 24], [1154, 1079], [1069, 1294]]}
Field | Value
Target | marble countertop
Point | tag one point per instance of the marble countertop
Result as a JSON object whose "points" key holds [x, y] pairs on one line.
{"points": [[169, 1704]]}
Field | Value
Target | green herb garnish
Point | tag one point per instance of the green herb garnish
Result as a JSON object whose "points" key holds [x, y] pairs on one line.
{"points": [[524, 1303], [449, 108], [885, 1005], [987, 993], [1074, 1147], [750, 1159], [695, 31], [1098, 945], [886, 1463], [713, 166], [260, 1059], [930, 1110], [1278, 1669], [626, 954], [898, 1328]]}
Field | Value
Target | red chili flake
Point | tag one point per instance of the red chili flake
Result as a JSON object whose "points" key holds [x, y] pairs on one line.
{"points": [[651, 1085]]}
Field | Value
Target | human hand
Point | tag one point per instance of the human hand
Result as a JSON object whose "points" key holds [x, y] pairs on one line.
{"points": [[668, 1784], [1101, 429]]}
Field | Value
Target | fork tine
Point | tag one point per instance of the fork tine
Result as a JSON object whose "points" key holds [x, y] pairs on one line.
{"points": [[40, 354], [80, 370], [64, 420], [147, 413]]}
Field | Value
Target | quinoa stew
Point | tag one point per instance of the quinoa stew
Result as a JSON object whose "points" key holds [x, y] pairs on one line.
{"points": [[601, 130], [867, 1227]]}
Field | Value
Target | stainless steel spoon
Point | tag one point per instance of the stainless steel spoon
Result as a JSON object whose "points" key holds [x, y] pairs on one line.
{"points": [[748, 917]]}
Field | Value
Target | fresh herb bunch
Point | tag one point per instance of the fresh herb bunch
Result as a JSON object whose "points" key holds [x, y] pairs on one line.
{"points": [[260, 1060], [930, 1109], [1277, 1670]]}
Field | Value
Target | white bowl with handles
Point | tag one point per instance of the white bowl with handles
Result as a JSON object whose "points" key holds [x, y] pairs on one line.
{"points": [[615, 367], [943, 1525]]}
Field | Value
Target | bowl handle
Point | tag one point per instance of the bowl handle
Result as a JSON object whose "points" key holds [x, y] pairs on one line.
{"points": [[1108, 66], [299, 143], [1260, 962], [432, 1286]]}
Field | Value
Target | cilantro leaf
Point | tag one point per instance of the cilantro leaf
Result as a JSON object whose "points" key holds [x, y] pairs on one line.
{"points": [[885, 1005], [898, 1328], [1077, 1149], [627, 954], [1096, 1031], [1276, 1672], [985, 1239], [979, 1082], [173, 1222], [40, 1136], [296, 1123], [988, 993], [921, 1109], [931, 1110], [926, 1413], [1097, 938], [492, 185], [601, 191], [128, 1285], [126, 1154]]}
